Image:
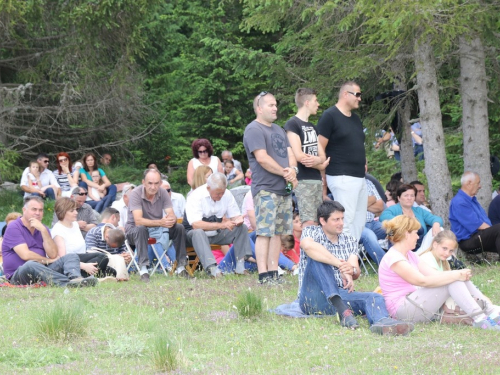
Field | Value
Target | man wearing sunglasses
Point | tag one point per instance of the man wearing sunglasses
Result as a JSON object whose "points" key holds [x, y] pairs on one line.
{"points": [[273, 166], [46, 178], [341, 136]]}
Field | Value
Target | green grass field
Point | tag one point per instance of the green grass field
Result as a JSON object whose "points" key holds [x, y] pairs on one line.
{"points": [[193, 326], [122, 322]]}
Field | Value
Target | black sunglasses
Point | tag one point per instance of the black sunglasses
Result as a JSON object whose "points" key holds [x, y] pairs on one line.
{"points": [[202, 151], [82, 194], [262, 94], [356, 94], [169, 190]]}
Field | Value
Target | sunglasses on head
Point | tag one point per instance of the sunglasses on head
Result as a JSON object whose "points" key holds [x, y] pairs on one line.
{"points": [[356, 94], [262, 94]]}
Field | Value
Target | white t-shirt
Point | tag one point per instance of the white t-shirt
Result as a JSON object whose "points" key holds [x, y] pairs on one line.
{"points": [[73, 238]]}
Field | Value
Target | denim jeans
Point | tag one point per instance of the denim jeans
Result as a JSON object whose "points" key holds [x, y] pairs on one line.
{"points": [[318, 285], [372, 247], [376, 227], [57, 273], [49, 194]]}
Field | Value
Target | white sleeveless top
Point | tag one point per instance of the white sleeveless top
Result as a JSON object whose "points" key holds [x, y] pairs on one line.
{"points": [[214, 163]]}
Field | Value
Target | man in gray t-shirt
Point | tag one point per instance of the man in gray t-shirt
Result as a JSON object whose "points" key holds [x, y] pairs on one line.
{"points": [[273, 166], [150, 211]]}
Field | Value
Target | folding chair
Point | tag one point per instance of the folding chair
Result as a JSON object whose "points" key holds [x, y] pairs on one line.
{"points": [[364, 258], [132, 255], [158, 250]]}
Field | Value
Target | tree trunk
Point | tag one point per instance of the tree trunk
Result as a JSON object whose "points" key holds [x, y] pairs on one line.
{"points": [[408, 165], [436, 167], [474, 93]]}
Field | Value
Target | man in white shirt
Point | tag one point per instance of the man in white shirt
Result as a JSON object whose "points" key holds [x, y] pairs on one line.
{"points": [[46, 178], [122, 205], [178, 200], [213, 217]]}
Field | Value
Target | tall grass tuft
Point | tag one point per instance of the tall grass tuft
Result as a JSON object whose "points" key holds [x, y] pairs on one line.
{"points": [[165, 355], [62, 321], [249, 304]]}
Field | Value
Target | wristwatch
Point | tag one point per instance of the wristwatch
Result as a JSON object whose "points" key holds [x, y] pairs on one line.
{"points": [[354, 271], [296, 170]]}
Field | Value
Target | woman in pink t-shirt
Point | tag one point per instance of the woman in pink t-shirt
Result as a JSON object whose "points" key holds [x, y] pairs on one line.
{"points": [[412, 290]]}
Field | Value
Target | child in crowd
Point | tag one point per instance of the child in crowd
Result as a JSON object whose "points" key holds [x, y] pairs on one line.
{"points": [[248, 177], [233, 175], [94, 194], [442, 248], [288, 248], [34, 178], [291, 249]]}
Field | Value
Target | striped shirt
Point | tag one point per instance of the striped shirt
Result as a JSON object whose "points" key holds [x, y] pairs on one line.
{"points": [[95, 238]]}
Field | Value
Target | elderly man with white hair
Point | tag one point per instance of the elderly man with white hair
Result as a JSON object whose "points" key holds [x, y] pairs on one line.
{"points": [[213, 217], [469, 221]]}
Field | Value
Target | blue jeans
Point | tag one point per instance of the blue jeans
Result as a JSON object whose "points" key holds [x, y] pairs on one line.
{"points": [[376, 227], [369, 241], [228, 263], [49, 194], [105, 202], [57, 273], [318, 285]]}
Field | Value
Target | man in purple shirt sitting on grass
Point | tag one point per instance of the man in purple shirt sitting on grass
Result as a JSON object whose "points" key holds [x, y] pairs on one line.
{"points": [[30, 255]]}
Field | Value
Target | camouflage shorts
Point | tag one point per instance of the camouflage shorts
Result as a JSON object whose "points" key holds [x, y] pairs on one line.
{"points": [[273, 214], [309, 195]]}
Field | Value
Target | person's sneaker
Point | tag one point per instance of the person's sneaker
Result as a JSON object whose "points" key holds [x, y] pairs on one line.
{"points": [[348, 320], [107, 279], [487, 323], [145, 277], [82, 282], [279, 280], [267, 281], [184, 273], [391, 327]]}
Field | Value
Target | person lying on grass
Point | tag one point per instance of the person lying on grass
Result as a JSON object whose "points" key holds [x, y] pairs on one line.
{"points": [[327, 270], [443, 247], [412, 290]]}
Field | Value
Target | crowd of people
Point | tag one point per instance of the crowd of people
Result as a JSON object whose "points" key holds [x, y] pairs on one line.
{"points": [[309, 207]]}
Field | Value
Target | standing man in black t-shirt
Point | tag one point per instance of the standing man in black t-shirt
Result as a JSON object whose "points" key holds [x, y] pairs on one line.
{"points": [[303, 139], [341, 136]]}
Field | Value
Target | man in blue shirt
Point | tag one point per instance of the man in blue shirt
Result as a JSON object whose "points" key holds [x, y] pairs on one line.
{"points": [[469, 221]]}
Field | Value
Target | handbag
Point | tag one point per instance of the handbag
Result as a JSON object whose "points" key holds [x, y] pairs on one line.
{"points": [[116, 262]]}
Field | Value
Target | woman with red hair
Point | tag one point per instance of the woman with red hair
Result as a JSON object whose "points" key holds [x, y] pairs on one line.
{"points": [[202, 155], [66, 174]]}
